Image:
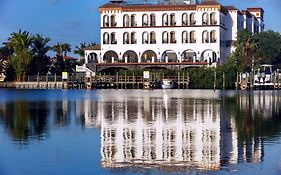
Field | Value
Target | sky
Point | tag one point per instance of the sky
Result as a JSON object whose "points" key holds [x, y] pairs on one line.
{"points": [[74, 21]]}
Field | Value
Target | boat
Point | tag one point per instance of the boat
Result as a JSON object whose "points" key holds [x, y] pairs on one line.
{"points": [[168, 84]]}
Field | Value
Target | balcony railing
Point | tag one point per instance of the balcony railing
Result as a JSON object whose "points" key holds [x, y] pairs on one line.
{"points": [[106, 24], [185, 23], [192, 23], [206, 40], [214, 22], [173, 41], [205, 22], [192, 40], [173, 23], [113, 24], [213, 40]]}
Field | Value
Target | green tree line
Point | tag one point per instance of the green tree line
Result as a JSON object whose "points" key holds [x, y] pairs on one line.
{"points": [[25, 54]]}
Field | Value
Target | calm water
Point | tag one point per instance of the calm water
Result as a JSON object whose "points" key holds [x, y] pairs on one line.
{"points": [[69, 132]]}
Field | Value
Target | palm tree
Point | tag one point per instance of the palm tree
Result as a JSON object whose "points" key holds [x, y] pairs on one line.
{"points": [[40, 61], [65, 47], [57, 48], [20, 42], [80, 49]]}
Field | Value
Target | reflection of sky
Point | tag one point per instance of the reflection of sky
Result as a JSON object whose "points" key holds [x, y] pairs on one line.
{"points": [[75, 21]]}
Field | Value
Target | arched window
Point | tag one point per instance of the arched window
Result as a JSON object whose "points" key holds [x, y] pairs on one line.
{"points": [[105, 21], [126, 21], [144, 38], [173, 37], [165, 37], [152, 38], [192, 20], [205, 37], [145, 20], [152, 20], [165, 20], [133, 20], [213, 36], [205, 19], [113, 38], [192, 37], [105, 38], [113, 21], [133, 38], [126, 39], [173, 19], [213, 19], [184, 19], [184, 37]]}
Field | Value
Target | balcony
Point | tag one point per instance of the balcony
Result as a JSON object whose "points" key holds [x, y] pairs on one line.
{"points": [[185, 41], [192, 40], [192, 23], [113, 24], [184, 23], [213, 40], [106, 24], [153, 41], [133, 24], [173, 41], [173, 23], [214, 22], [126, 42]]}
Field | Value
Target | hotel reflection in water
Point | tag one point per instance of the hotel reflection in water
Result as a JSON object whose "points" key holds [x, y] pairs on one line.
{"points": [[169, 133]]}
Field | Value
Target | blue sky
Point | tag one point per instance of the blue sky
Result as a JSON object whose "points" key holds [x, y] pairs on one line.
{"points": [[76, 21]]}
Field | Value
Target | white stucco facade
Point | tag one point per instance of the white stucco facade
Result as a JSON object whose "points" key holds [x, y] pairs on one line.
{"points": [[147, 33]]}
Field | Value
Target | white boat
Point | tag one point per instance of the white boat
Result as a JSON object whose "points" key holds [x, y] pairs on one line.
{"points": [[168, 84]]}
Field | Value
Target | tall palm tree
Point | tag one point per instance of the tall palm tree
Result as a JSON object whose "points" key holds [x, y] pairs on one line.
{"points": [[65, 47], [21, 42], [57, 48], [40, 61], [40, 44]]}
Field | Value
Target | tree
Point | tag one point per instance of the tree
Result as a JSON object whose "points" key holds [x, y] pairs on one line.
{"points": [[40, 60], [80, 50], [20, 41], [267, 46], [65, 47], [244, 49]]}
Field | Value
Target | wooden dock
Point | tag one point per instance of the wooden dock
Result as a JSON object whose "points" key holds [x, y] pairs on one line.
{"points": [[99, 82]]}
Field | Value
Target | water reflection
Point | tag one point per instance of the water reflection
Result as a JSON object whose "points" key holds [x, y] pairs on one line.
{"points": [[182, 133], [159, 129]]}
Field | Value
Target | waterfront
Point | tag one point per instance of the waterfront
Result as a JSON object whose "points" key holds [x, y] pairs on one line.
{"points": [[139, 132]]}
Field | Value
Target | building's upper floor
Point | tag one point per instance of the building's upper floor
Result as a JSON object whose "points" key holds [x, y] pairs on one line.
{"points": [[119, 14]]}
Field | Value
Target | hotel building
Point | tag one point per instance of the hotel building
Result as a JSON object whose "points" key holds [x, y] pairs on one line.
{"points": [[179, 32]]}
